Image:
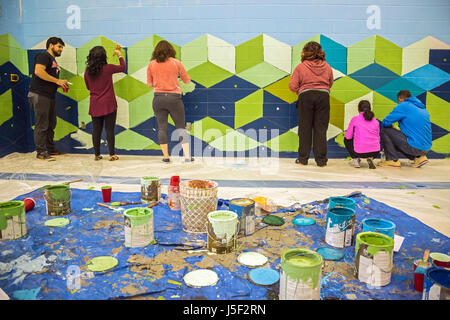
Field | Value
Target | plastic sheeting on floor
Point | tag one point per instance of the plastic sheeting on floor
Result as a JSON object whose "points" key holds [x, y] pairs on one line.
{"points": [[49, 262]]}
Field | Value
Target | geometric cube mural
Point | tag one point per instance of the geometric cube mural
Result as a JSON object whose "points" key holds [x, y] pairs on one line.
{"points": [[239, 101]]}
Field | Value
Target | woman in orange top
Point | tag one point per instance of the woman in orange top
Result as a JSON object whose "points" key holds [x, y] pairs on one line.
{"points": [[162, 74]]}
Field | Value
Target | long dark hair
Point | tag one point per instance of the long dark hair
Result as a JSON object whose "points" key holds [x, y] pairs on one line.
{"points": [[364, 106], [95, 61], [312, 50], [163, 51]]}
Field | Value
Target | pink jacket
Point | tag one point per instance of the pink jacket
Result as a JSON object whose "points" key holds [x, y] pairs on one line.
{"points": [[311, 74], [365, 134]]}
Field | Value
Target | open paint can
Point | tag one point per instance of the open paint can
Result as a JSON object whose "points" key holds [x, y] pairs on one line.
{"points": [[340, 227], [420, 268], [341, 202], [440, 260], [374, 258], [437, 284], [13, 223], [150, 189], [379, 225], [57, 199], [222, 227], [138, 227], [245, 209], [300, 275]]}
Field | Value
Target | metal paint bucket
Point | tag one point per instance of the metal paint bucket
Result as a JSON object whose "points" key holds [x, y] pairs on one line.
{"points": [[340, 227], [196, 203], [374, 258], [57, 199], [223, 228], [341, 202], [150, 189], [379, 225], [245, 209], [138, 227], [13, 223], [437, 284], [300, 275]]}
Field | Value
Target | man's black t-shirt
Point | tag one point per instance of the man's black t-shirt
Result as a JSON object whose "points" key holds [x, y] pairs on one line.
{"points": [[40, 86]]}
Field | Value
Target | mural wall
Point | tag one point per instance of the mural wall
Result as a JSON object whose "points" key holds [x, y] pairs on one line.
{"points": [[241, 104]]}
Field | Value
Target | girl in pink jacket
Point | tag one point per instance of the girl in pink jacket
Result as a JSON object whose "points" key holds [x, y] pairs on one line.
{"points": [[362, 138]]}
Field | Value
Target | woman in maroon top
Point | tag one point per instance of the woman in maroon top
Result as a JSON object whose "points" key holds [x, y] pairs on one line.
{"points": [[311, 81], [103, 104]]}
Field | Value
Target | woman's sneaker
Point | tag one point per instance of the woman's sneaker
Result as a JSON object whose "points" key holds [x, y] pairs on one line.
{"points": [[355, 163]]}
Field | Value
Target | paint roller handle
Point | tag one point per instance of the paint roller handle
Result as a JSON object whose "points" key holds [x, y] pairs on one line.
{"points": [[78, 180]]}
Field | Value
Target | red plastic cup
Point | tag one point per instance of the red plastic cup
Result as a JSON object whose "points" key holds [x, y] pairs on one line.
{"points": [[106, 193], [66, 89], [420, 267], [440, 259], [175, 181], [29, 204]]}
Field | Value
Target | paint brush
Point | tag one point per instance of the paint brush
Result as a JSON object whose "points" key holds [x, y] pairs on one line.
{"points": [[124, 203], [106, 206], [152, 205], [426, 254]]}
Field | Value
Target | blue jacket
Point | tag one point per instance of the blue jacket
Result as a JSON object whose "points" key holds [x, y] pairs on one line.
{"points": [[414, 121]]}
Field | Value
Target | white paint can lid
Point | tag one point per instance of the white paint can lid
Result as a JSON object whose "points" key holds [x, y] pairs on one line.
{"points": [[201, 278]]}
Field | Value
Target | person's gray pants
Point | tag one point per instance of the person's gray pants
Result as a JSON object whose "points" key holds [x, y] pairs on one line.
{"points": [[44, 122], [395, 141], [169, 103]]}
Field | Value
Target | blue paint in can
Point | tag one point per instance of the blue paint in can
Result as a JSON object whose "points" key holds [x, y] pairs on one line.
{"points": [[379, 225], [341, 202], [340, 227], [437, 284]]}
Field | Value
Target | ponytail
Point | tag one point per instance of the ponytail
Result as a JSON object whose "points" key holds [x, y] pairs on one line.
{"points": [[364, 106]]}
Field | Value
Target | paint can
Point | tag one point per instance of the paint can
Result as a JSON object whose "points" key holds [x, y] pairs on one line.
{"points": [[138, 227], [379, 225], [437, 284], [340, 227], [300, 274], [341, 202], [13, 223], [420, 268], [198, 198], [440, 260], [374, 258], [245, 209], [150, 189], [222, 229], [57, 199]]}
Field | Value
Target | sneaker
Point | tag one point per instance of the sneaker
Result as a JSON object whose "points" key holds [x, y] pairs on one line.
{"points": [[189, 160], [166, 160], [43, 156], [390, 163], [96, 158], [298, 161], [355, 163], [420, 161], [55, 153], [371, 164]]}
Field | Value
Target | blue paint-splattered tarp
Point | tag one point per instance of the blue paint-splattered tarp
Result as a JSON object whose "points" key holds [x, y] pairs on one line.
{"points": [[49, 262]]}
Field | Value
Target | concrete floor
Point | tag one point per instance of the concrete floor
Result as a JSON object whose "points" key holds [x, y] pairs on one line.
{"points": [[21, 173]]}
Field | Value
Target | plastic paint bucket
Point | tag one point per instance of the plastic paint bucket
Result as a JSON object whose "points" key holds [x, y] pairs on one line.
{"points": [[13, 223], [223, 227], [150, 189], [374, 258], [341, 202], [57, 199], [300, 275], [138, 227], [340, 227], [196, 203], [440, 260], [245, 209], [379, 225], [420, 268], [437, 284]]}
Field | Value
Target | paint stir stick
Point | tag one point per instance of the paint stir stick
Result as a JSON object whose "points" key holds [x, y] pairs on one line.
{"points": [[426, 254]]}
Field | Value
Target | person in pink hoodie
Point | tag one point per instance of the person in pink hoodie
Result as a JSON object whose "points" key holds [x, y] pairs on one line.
{"points": [[362, 138], [311, 81]]}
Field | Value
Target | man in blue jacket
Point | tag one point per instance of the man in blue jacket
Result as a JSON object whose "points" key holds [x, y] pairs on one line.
{"points": [[414, 139]]}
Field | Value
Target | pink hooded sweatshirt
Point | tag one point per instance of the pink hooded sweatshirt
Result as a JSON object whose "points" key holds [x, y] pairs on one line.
{"points": [[311, 74], [365, 134]]}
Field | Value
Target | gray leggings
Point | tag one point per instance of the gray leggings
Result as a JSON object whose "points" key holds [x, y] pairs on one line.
{"points": [[169, 103]]}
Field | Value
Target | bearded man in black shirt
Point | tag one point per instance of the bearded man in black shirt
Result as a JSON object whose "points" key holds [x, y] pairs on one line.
{"points": [[44, 83]]}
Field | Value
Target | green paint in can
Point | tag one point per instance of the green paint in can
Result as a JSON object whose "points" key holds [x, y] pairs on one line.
{"points": [[57, 198], [12, 220], [138, 227]]}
